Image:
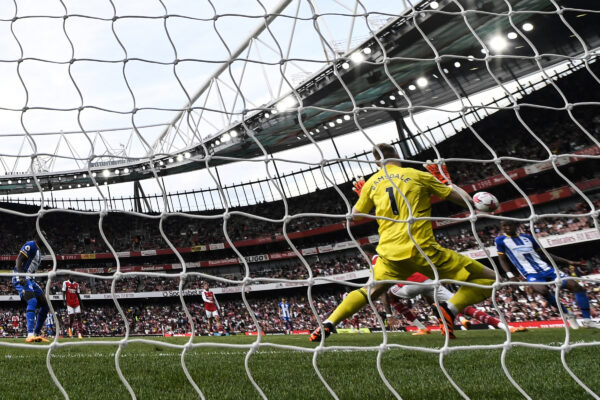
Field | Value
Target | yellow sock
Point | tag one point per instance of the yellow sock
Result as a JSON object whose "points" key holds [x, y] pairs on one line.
{"points": [[468, 295], [355, 300]]}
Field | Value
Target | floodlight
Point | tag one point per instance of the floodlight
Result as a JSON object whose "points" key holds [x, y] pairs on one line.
{"points": [[498, 43], [357, 57]]}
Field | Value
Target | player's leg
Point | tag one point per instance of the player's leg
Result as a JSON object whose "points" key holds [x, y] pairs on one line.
{"points": [[71, 314], [29, 298], [217, 321], [42, 313], [490, 320], [403, 308], [452, 265], [78, 322], [549, 295], [357, 299], [582, 302]]}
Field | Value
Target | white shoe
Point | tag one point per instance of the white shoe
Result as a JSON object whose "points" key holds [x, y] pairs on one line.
{"points": [[588, 323], [573, 321]]}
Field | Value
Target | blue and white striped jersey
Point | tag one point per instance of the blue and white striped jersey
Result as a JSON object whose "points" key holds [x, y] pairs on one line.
{"points": [[33, 259], [521, 250], [284, 309]]}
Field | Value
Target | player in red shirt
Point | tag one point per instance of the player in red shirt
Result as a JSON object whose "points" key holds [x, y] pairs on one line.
{"points": [[211, 307], [70, 291], [15, 324]]}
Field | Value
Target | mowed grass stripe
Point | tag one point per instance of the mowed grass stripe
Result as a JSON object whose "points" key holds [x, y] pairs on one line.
{"points": [[154, 371]]}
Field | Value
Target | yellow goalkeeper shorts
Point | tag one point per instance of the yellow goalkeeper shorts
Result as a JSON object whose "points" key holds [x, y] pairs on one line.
{"points": [[449, 264]]}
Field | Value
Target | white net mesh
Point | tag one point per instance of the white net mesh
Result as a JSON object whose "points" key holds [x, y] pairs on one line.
{"points": [[180, 95]]}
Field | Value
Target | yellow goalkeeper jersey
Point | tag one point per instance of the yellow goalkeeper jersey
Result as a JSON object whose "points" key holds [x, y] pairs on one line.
{"points": [[417, 186]]}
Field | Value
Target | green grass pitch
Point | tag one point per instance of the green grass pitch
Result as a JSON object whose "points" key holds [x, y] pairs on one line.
{"points": [[154, 370]]}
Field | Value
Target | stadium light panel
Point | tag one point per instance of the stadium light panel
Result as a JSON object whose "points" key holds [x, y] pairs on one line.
{"points": [[527, 27], [367, 50], [347, 117], [456, 64], [412, 87], [19, 181], [106, 173], [339, 120], [9, 182], [187, 154], [422, 82], [234, 134], [357, 57], [28, 180], [512, 35], [94, 174], [332, 124], [392, 97], [345, 65], [434, 5], [126, 171], [117, 172], [498, 43], [226, 137], [179, 157], [217, 142]]}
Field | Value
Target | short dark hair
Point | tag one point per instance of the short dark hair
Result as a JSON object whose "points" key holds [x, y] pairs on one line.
{"points": [[369, 248], [387, 150]]}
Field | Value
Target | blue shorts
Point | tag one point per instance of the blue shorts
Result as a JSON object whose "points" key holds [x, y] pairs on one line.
{"points": [[30, 286], [545, 276]]}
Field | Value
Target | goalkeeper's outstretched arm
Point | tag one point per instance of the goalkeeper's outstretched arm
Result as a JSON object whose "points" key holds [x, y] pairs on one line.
{"points": [[460, 197]]}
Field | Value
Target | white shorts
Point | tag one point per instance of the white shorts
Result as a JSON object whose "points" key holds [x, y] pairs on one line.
{"points": [[412, 291], [211, 314], [73, 310]]}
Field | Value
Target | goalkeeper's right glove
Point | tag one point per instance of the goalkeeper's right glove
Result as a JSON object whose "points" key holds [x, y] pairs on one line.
{"points": [[434, 170], [358, 185]]}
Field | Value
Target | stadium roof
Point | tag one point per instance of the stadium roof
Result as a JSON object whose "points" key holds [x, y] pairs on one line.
{"points": [[408, 40]]}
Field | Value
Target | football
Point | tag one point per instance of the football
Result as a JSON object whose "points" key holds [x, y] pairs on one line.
{"points": [[485, 201]]}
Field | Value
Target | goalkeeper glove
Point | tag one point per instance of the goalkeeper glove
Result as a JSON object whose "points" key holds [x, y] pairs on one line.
{"points": [[434, 170], [358, 185]]}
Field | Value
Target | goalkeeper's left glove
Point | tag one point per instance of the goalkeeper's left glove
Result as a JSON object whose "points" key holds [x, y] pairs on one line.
{"points": [[434, 170], [358, 185]]}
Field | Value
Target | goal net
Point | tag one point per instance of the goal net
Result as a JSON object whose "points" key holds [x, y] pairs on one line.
{"points": [[158, 147]]}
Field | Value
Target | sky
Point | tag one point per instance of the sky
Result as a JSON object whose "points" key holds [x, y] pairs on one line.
{"points": [[199, 34]]}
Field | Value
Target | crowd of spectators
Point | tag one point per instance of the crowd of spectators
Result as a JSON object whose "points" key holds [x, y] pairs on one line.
{"points": [[517, 304]]}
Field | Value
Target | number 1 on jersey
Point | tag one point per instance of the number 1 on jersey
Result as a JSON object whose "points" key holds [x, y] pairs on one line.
{"points": [[390, 192]]}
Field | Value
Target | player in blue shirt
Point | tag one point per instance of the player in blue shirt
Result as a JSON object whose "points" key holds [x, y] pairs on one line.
{"points": [[286, 316], [50, 325], [28, 262], [524, 253]]}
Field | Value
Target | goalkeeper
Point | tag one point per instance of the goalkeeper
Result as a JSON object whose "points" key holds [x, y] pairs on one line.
{"points": [[399, 256]]}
